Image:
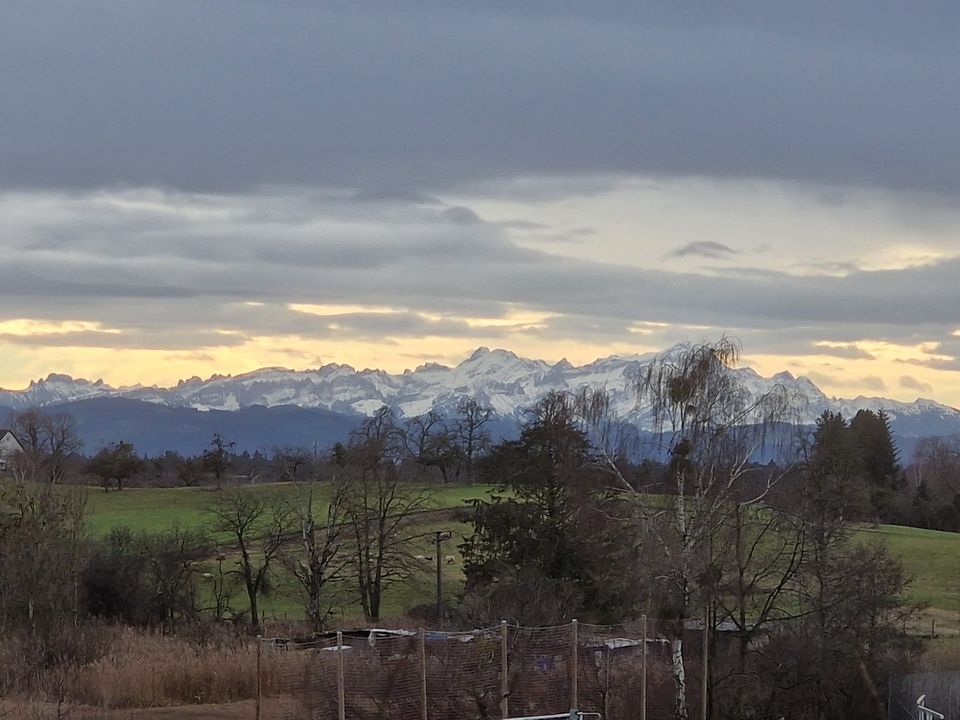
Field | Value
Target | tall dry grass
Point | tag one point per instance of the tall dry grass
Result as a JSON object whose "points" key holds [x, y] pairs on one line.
{"points": [[940, 655], [127, 668], [147, 669]]}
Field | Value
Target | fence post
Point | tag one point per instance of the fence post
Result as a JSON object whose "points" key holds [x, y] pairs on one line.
{"points": [[504, 672], [341, 694], [606, 682], [573, 667], [643, 677], [423, 674], [705, 680], [259, 710]]}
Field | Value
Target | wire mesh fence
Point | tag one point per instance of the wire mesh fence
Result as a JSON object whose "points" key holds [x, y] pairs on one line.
{"points": [[498, 672], [924, 696]]}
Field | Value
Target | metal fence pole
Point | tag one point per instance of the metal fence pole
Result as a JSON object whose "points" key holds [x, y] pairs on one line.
{"points": [[437, 535], [423, 674], [606, 682], [705, 680], [341, 694], [259, 709], [643, 676], [504, 672], [573, 667]]}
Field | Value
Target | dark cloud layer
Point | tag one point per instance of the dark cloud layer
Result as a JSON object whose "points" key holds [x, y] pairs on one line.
{"points": [[179, 266], [180, 173], [911, 383], [403, 98], [705, 248]]}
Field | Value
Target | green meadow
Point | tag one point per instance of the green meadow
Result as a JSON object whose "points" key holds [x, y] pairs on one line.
{"points": [[156, 509], [931, 559]]}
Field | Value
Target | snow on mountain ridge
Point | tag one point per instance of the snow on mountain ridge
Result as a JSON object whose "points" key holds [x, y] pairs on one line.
{"points": [[506, 382]]}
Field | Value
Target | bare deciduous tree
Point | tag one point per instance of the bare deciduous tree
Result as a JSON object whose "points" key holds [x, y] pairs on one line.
{"points": [[471, 435], [217, 459], [117, 463], [47, 440], [290, 461], [378, 509], [62, 441], [322, 558], [41, 541], [430, 443], [761, 553], [259, 525]]}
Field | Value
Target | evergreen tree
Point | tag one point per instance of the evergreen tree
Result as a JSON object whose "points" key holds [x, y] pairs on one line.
{"points": [[872, 441], [544, 529]]}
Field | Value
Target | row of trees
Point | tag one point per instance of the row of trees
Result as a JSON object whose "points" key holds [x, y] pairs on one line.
{"points": [[933, 480], [440, 445], [925, 493]]}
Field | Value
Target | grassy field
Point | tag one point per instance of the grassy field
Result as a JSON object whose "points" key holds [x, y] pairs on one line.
{"points": [[399, 599], [932, 560], [157, 509]]}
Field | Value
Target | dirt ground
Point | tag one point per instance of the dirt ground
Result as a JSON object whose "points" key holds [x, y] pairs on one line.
{"points": [[21, 710]]}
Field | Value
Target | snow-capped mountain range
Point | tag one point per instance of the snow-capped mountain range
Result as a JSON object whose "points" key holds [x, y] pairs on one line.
{"points": [[498, 378]]}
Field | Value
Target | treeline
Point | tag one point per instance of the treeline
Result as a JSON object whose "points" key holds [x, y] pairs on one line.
{"points": [[445, 447], [933, 485], [448, 448], [879, 487]]}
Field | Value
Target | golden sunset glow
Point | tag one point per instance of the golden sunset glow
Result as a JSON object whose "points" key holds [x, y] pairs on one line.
{"points": [[25, 327], [880, 374]]}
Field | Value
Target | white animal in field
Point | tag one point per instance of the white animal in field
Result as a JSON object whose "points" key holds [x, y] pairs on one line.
{"points": [[451, 559]]}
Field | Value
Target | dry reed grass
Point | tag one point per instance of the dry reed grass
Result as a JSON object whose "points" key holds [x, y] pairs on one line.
{"points": [[940, 655], [127, 668], [146, 669], [243, 710]]}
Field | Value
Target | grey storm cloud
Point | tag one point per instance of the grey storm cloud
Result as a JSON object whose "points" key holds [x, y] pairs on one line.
{"points": [[911, 383], [132, 338], [871, 383], [177, 266], [705, 248], [405, 98]]}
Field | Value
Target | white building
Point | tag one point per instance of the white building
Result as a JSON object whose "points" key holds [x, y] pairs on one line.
{"points": [[9, 446]]}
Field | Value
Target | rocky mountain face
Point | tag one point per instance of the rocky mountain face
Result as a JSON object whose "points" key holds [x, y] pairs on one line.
{"points": [[497, 378]]}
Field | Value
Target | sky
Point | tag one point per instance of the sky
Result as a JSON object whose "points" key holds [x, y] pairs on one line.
{"points": [[189, 188]]}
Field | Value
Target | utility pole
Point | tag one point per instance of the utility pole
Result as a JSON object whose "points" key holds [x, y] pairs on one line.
{"points": [[439, 537]]}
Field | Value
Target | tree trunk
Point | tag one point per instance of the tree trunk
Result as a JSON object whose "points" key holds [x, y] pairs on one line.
{"points": [[679, 679], [375, 599], [313, 600], [254, 611]]}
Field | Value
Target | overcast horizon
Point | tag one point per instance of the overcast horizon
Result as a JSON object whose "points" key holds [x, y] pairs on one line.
{"points": [[195, 188]]}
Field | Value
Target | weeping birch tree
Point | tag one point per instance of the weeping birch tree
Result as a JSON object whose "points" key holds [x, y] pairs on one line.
{"points": [[713, 430]]}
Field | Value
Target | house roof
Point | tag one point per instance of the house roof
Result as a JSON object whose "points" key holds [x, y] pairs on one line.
{"points": [[6, 431]]}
